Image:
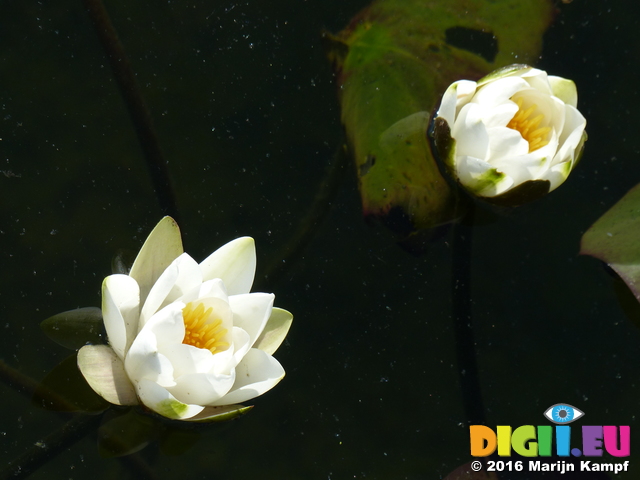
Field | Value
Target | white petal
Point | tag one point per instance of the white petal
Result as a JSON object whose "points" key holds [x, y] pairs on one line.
{"points": [[481, 178], [163, 246], [213, 288], [455, 97], [104, 372], [557, 174], [120, 309], [202, 388], [571, 136], [144, 360], [234, 263], [161, 401], [565, 90], [529, 166], [538, 79], [257, 373], [241, 345], [501, 115], [505, 143], [251, 312], [187, 359], [181, 276], [495, 93], [470, 133]]}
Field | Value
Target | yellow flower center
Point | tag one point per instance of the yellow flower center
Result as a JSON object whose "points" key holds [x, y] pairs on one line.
{"points": [[528, 127], [201, 331]]}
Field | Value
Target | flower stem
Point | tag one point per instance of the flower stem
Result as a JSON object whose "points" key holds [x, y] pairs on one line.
{"points": [[51, 446], [138, 111], [463, 321], [60, 440], [313, 219]]}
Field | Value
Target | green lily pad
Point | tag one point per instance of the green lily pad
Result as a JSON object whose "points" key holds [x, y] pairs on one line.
{"points": [[393, 62], [64, 389], [615, 239], [75, 328]]}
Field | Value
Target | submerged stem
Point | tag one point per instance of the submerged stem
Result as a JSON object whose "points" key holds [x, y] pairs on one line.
{"points": [[138, 111], [308, 226], [463, 321]]}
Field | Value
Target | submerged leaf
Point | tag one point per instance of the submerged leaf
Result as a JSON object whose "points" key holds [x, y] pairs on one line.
{"points": [[74, 328], [615, 239], [65, 390], [126, 433]]}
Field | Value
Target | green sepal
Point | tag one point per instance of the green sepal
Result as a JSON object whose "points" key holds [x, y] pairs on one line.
{"points": [[64, 389], [505, 71], [75, 328], [274, 331], [524, 193], [220, 414]]}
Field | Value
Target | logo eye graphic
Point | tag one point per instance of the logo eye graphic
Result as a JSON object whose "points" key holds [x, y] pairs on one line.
{"points": [[562, 413]]}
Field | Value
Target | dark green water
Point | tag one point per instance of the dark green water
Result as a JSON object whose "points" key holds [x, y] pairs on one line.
{"points": [[246, 112]]}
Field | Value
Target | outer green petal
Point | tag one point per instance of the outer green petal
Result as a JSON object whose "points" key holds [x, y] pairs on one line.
{"points": [[163, 246], [564, 89], [104, 372], [274, 331], [234, 263]]}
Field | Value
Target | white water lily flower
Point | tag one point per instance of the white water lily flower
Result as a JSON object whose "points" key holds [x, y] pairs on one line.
{"points": [[185, 338], [513, 136]]}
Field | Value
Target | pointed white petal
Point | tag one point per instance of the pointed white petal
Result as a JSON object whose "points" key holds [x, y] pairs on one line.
{"points": [[455, 97], [538, 79], [498, 92], [104, 372], [482, 178], [470, 133], [202, 388], [159, 400], [145, 359], [251, 312], [163, 246], [505, 144], [557, 174], [187, 359], [120, 309], [256, 374], [234, 263], [275, 331], [183, 275]]}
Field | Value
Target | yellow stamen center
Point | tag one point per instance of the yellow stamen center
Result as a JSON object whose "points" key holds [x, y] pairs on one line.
{"points": [[201, 330], [528, 127]]}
